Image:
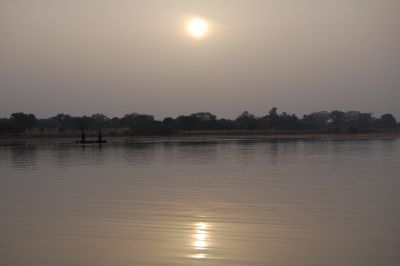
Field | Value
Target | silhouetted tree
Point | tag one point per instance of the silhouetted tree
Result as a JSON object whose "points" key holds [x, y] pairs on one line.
{"points": [[19, 122], [316, 120], [227, 124], [63, 122], [288, 122], [5, 126], [114, 122], [138, 123], [184, 122], [204, 120], [364, 121], [246, 121], [169, 125], [83, 123], [386, 121], [336, 121], [273, 118], [99, 120]]}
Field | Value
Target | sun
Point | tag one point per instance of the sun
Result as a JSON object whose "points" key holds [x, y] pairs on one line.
{"points": [[198, 28]]}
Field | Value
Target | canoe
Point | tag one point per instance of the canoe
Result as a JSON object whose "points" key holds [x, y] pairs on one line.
{"points": [[91, 141]]}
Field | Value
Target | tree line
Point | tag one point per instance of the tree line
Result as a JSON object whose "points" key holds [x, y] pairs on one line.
{"points": [[142, 124]]}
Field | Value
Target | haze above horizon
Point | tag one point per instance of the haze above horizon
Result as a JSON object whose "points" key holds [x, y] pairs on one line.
{"points": [[117, 57]]}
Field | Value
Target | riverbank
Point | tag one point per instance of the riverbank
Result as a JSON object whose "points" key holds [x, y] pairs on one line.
{"points": [[199, 136]]}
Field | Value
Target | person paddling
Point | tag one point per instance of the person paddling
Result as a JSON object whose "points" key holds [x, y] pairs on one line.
{"points": [[83, 139], [100, 136]]}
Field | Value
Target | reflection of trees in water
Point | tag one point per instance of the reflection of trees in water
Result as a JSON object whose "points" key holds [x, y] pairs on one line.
{"points": [[266, 150], [139, 154], [233, 151], [198, 152], [62, 155], [390, 146], [350, 149], [277, 149], [24, 157]]}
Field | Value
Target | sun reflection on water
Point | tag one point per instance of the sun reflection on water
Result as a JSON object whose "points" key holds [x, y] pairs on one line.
{"points": [[200, 240]]}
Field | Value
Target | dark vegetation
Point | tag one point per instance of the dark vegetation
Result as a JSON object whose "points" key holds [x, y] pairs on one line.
{"points": [[140, 124]]}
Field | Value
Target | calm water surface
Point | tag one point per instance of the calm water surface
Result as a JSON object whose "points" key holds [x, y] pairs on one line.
{"points": [[299, 203]]}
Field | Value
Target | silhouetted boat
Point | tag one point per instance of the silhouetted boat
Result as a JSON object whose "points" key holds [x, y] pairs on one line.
{"points": [[91, 141], [84, 141]]}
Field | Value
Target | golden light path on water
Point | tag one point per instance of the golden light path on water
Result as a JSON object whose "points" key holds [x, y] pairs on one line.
{"points": [[200, 237]]}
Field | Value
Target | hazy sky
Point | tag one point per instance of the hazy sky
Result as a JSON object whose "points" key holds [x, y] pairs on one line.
{"points": [[119, 56]]}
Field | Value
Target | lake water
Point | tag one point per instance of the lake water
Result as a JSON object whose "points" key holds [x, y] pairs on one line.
{"points": [[233, 202]]}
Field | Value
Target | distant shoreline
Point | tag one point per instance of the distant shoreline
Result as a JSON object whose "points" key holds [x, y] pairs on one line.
{"points": [[196, 136]]}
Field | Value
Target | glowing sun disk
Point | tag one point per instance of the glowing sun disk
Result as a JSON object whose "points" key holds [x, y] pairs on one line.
{"points": [[198, 28]]}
